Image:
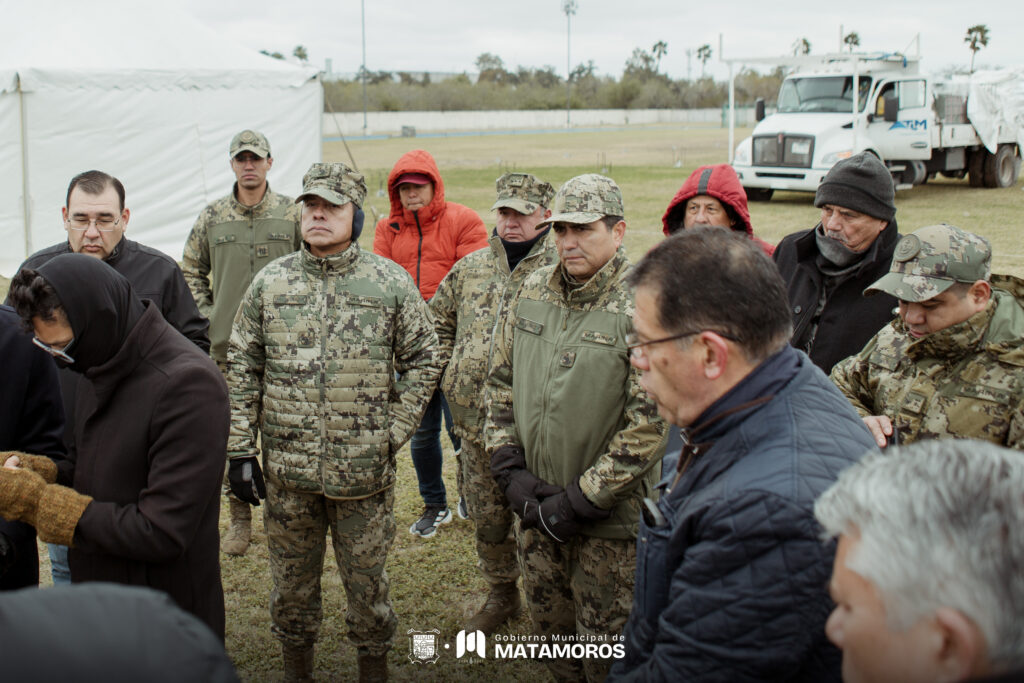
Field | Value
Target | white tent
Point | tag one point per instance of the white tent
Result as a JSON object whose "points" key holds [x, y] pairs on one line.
{"points": [[147, 94]]}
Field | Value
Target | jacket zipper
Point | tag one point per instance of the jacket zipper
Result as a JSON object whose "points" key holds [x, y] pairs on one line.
{"points": [[419, 248]]}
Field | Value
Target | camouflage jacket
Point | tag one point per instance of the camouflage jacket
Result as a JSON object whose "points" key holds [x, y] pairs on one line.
{"points": [[561, 386], [312, 362], [468, 305], [228, 245], [966, 381]]}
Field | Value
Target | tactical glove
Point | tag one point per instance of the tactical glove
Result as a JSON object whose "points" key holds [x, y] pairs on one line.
{"points": [[246, 480], [504, 461], [561, 515], [53, 510], [521, 487], [40, 464]]}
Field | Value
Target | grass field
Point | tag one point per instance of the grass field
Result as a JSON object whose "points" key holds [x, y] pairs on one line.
{"points": [[434, 582]]}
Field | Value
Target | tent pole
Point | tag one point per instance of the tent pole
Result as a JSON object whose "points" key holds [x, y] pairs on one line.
{"points": [[24, 168]]}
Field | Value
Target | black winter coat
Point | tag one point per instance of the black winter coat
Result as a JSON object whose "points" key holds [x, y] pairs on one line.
{"points": [[731, 586], [849, 319]]}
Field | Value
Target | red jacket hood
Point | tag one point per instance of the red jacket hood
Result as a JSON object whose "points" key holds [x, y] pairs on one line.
{"points": [[721, 182], [416, 161]]}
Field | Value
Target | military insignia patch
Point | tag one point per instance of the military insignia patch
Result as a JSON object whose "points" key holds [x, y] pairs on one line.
{"points": [[908, 248]]}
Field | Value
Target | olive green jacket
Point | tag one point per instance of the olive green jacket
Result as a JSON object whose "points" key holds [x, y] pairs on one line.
{"points": [[966, 381], [561, 387], [470, 303], [228, 245], [311, 365]]}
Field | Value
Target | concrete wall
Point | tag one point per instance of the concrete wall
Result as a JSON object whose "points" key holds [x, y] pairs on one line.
{"points": [[392, 122]]}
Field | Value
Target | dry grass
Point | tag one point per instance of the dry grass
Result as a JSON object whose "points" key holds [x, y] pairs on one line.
{"points": [[434, 582]]}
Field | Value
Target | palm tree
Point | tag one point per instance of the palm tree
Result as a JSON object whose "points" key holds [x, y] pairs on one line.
{"points": [[703, 54], [659, 50], [801, 46], [852, 40], [976, 38]]}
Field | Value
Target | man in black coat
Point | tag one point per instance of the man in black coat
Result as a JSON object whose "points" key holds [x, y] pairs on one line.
{"points": [[731, 574], [827, 267], [95, 218], [31, 420], [149, 433]]}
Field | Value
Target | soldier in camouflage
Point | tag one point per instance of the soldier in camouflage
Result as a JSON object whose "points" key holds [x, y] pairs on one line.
{"points": [[314, 351], [575, 442], [952, 363], [471, 301], [232, 239]]}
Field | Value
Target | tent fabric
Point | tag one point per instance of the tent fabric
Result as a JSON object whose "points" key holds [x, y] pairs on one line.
{"points": [[148, 94]]}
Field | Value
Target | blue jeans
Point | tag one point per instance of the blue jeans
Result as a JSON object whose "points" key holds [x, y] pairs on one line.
{"points": [[426, 450], [59, 569]]}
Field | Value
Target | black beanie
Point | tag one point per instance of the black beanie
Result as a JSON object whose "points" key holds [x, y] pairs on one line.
{"points": [[861, 183]]}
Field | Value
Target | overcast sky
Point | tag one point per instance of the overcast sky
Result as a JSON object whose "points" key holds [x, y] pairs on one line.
{"points": [[448, 35]]}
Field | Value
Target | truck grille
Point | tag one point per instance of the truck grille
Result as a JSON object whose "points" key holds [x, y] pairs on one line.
{"points": [[784, 150]]}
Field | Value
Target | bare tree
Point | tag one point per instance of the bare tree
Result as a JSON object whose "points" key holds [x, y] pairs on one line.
{"points": [[300, 54], [659, 50], [852, 40], [703, 54], [275, 55], [801, 46], [976, 38]]}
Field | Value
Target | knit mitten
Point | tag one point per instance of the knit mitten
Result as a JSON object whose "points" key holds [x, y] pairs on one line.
{"points": [[40, 464], [60, 508], [19, 494]]}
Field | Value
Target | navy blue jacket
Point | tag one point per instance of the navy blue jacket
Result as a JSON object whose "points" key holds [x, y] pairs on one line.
{"points": [[731, 586]]}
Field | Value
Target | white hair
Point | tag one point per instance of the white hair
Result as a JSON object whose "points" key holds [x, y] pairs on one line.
{"points": [[940, 524]]}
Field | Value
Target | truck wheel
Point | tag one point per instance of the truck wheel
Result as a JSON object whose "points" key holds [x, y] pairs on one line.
{"points": [[976, 168], [1001, 168], [759, 194]]}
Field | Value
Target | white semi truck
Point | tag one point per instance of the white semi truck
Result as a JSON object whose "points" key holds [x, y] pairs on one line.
{"points": [[917, 125]]}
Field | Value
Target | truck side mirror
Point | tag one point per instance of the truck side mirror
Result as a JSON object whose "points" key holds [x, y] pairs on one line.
{"points": [[759, 109], [892, 109]]}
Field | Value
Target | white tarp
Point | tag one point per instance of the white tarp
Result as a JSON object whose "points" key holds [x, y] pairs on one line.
{"points": [[996, 106], [146, 93]]}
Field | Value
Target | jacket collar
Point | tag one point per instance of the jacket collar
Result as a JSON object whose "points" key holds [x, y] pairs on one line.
{"points": [[545, 243], [600, 282], [335, 264], [954, 342], [256, 208], [137, 343], [880, 250]]}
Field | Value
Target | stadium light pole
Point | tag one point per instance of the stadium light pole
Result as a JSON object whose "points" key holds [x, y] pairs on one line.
{"points": [[362, 7], [569, 7]]}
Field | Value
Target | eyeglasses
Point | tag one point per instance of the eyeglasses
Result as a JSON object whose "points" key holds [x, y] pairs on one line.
{"points": [[103, 223], [56, 353], [636, 346]]}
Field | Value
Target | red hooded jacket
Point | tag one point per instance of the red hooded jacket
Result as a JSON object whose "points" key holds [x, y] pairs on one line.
{"points": [[428, 242], [718, 181]]}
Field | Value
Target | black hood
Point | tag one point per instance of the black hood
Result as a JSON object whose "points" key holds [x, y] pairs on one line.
{"points": [[99, 303]]}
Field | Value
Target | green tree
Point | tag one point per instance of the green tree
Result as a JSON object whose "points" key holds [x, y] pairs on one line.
{"points": [[275, 55], [801, 46], [659, 50], [491, 68], [300, 54], [976, 38], [703, 54], [640, 65], [851, 40]]}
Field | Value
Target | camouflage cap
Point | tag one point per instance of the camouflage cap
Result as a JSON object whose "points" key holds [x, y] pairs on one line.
{"points": [[522, 192], [931, 260], [335, 182], [585, 199], [250, 141]]}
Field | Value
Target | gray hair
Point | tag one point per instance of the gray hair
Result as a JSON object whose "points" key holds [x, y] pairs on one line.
{"points": [[940, 524]]}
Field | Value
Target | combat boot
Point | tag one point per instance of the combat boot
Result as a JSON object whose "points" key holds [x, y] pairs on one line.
{"points": [[503, 603], [372, 668], [298, 663], [236, 540]]}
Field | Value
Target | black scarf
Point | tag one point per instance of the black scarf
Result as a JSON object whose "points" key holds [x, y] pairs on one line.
{"points": [[517, 251], [99, 303]]}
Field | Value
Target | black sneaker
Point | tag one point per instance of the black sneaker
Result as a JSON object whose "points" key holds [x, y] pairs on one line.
{"points": [[433, 516], [462, 509]]}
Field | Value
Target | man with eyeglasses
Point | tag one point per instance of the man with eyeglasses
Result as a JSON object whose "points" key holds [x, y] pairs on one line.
{"points": [[731, 575], [827, 267], [96, 218], [575, 445]]}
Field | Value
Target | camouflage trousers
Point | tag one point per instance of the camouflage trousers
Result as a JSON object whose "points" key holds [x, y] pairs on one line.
{"points": [[488, 508], [361, 532], [582, 587]]}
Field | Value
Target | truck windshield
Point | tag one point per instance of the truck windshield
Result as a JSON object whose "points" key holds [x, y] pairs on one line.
{"points": [[824, 94]]}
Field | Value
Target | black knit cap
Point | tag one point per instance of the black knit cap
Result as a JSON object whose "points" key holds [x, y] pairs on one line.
{"points": [[861, 183]]}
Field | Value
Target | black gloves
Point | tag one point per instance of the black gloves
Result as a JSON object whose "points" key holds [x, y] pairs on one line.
{"points": [[522, 489], [561, 514], [246, 480]]}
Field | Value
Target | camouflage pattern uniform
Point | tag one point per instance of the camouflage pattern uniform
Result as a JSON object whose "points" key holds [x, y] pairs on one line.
{"points": [[562, 388], [311, 364], [471, 301], [965, 381]]}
